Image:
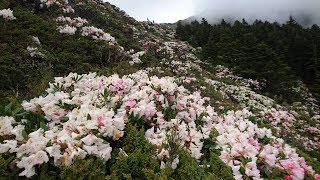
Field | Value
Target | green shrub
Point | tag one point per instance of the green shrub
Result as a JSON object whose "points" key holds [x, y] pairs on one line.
{"points": [[137, 159], [91, 168]]}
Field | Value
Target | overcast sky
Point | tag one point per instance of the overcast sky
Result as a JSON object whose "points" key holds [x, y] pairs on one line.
{"points": [[174, 10]]}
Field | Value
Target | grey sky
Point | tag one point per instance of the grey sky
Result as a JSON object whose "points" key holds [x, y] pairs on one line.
{"points": [[174, 10], [157, 10]]}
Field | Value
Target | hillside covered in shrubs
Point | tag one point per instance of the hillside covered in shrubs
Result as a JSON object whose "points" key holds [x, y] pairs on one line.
{"points": [[90, 93]]}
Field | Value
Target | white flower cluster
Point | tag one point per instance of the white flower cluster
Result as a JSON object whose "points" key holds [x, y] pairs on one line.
{"points": [[34, 52], [97, 33], [33, 49], [77, 22], [63, 4], [286, 122], [242, 148], [182, 67], [244, 95], [224, 72], [66, 29], [7, 128], [36, 40], [304, 92], [86, 112], [84, 128], [136, 57], [281, 120], [7, 14]]}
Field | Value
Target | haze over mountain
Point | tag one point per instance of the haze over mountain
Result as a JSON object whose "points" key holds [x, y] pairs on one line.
{"points": [[306, 12]]}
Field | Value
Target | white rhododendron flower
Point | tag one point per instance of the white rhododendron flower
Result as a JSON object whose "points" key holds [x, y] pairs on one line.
{"points": [[97, 33], [6, 125], [34, 52], [7, 14], [67, 29], [77, 22], [136, 58]]}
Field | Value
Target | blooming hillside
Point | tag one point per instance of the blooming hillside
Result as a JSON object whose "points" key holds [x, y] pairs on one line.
{"points": [[95, 94]]}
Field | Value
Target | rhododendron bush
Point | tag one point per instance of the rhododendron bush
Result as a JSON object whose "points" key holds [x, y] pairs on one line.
{"points": [[139, 105], [85, 114]]}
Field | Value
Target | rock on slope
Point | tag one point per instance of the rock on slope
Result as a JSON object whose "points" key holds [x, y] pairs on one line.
{"points": [[189, 111]]}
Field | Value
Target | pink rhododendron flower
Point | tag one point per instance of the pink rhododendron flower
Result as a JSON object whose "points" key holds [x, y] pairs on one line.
{"points": [[287, 164], [120, 92], [130, 103], [100, 121], [297, 173], [287, 178], [119, 83], [317, 176]]}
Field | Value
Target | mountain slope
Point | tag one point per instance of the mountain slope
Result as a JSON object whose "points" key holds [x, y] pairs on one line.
{"points": [[151, 110]]}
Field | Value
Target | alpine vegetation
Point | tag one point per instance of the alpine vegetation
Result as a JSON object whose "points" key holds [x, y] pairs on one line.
{"points": [[90, 93]]}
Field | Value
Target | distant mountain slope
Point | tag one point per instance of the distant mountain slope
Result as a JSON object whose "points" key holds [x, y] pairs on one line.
{"points": [[306, 19], [95, 94]]}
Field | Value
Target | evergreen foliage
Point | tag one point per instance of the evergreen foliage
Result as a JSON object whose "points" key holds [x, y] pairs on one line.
{"points": [[278, 54], [91, 168], [136, 158]]}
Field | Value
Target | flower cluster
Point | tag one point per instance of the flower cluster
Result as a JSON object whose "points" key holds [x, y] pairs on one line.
{"points": [[82, 118], [250, 150], [243, 95], [70, 30], [286, 122], [63, 4], [77, 22], [34, 52], [33, 49], [223, 72], [281, 120], [136, 57], [69, 26], [85, 113], [7, 14], [97, 33]]}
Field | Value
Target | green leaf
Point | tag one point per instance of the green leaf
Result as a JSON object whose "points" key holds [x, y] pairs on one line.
{"points": [[278, 178], [275, 172], [64, 119], [24, 134], [43, 126], [242, 170], [8, 107], [14, 112], [267, 172], [106, 93], [21, 114]]}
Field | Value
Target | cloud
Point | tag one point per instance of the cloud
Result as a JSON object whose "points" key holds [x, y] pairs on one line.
{"points": [[174, 10], [271, 10]]}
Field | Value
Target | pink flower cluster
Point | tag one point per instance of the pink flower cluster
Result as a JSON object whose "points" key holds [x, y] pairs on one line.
{"points": [[242, 147]]}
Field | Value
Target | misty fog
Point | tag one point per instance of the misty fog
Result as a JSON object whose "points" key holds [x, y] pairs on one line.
{"points": [[307, 12]]}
